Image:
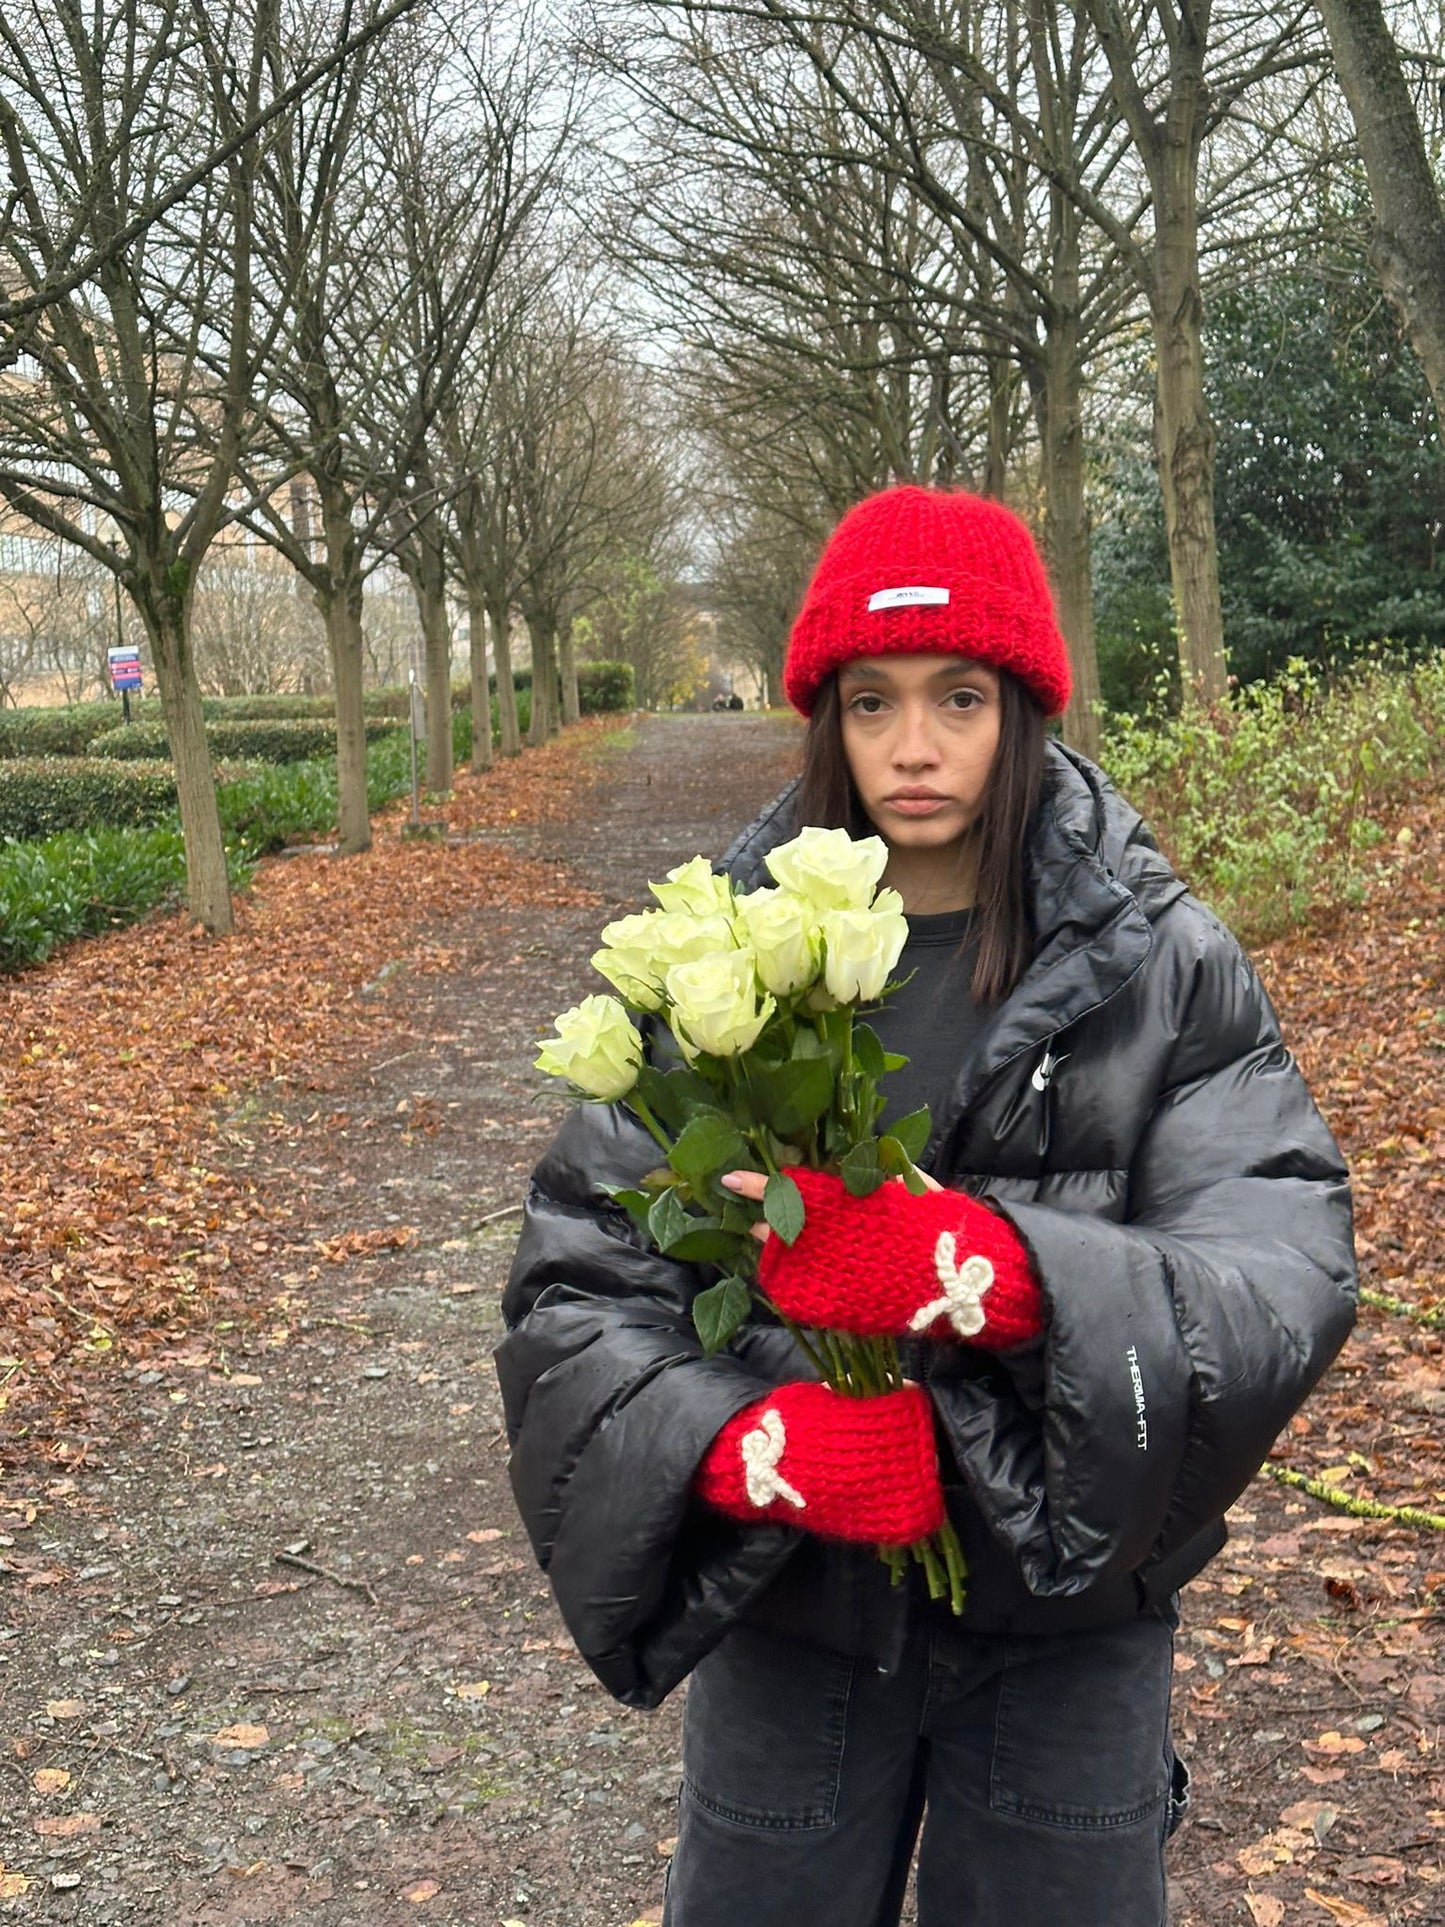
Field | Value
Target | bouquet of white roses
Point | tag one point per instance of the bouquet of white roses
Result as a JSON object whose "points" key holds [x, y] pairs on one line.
{"points": [[760, 992]]}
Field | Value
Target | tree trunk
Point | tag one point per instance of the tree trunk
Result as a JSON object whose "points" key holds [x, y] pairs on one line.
{"points": [[1409, 240], [1184, 429], [543, 633], [340, 606], [567, 669], [1184, 433], [499, 621], [481, 695], [1001, 378], [1066, 515], [342, 612], [426, 565], [208, 888]]}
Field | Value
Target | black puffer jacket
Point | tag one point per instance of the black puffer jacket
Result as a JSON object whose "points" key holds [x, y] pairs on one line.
{"points": [[1131, 1109]]}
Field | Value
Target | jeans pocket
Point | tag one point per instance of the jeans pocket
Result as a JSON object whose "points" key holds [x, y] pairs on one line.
{"points": [[763, 1731], [1081, 1733]]}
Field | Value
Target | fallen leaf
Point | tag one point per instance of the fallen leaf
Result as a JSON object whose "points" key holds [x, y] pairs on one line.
{"points": [[1345, 1911], [64, 1825], [1376, 1870], [1265, 1909], [475, 1690], [65, 1709], [247, 1737], [423, 1890], [1311, 1817], [12, 1884], [1330, 1745], [486, 1535], [1273, 1851], [50, 1779]]}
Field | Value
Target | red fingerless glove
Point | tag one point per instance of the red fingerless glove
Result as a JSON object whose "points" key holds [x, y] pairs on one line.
{"points": [[892, 1264], [845, 1468]]}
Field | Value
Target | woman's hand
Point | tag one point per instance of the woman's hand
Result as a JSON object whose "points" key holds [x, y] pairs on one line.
{"points": [[752, 1184], [893, 1264]]}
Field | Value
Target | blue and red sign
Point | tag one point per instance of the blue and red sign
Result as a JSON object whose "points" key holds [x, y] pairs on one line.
{"points": [[125, 670]]}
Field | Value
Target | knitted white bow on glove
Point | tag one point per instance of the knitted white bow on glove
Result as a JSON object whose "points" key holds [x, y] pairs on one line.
{"points": [[762, 1449], [963, 1288]]}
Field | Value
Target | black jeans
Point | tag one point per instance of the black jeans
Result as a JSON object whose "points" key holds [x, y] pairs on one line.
{"points": [[1040, 1769]]}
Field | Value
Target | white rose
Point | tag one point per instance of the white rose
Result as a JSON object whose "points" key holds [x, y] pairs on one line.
{"points": [[715, 1004], [640, 950], [626, 962], [693, 888], [782, 929], [596, 1048], [860, 949], [833, 870]]}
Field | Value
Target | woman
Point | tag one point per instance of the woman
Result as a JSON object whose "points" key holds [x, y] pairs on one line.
{"points": [[1121, 1141]]}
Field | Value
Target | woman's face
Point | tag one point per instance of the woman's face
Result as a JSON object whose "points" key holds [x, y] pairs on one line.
{"points": [[920, 734]]}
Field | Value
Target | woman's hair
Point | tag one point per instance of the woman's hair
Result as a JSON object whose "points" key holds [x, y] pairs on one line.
{"points": [[827, 798]]}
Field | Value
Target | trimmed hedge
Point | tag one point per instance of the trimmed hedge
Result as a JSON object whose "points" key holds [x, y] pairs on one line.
{"points": [[67, 731], [282, 740], [40, 796], [601, 688]]}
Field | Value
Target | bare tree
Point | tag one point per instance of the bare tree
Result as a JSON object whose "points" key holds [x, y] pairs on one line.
{"points": [[1408, 250], [123, 421], [388, 202], [80, 251]]}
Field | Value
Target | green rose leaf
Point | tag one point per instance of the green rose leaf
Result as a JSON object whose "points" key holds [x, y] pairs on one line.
{"points": [[705, 1242], [636, 1204], [892, 1061], [674, 1095], [720, 1312], [913, 1131], [897, 1163], [868, 1053], [783, 1207], [667, 1220], [794, 1095], [710, 1144], [861, 1169], [738, 1216]]}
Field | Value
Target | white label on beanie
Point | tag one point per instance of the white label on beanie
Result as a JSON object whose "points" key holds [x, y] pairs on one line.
{"points": [[904, 598]]}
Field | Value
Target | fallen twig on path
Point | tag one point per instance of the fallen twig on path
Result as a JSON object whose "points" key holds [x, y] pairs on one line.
{"points": [[1404, 1515], [507, 1211], [323, 1572]]}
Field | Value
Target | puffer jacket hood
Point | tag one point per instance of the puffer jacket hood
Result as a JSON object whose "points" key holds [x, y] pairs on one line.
{"points": [[1131, 1109]]}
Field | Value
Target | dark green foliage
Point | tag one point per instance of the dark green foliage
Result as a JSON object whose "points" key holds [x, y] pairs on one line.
{"points": [[42, 795], [280, 740], [79, 883], [603, 687], [1329, 486], [66, 731], [269, 808], [1331, 474]]}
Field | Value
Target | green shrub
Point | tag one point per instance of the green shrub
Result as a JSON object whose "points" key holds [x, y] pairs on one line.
{"points": [[277, 741], [1267, 804], [80, 883], [265, 809], [605, 686], [67, 731], [40, 796], [266, 709]]}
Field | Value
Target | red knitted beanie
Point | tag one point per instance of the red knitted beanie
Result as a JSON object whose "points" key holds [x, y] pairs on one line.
{"points": [[927, 571]]}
